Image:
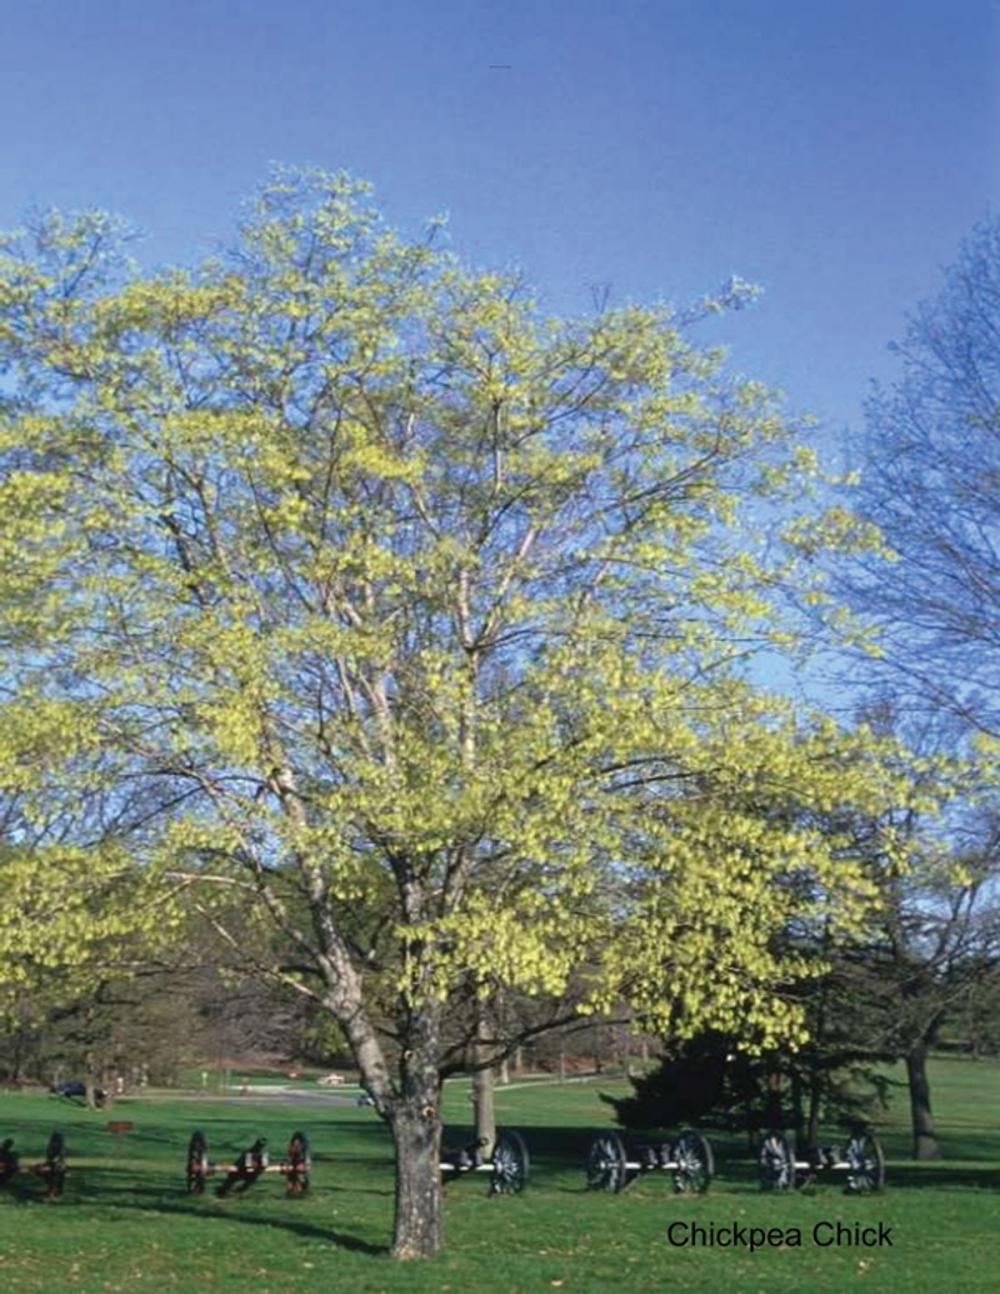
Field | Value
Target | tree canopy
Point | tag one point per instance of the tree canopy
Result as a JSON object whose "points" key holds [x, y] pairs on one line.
{"points": [[418, 619]]}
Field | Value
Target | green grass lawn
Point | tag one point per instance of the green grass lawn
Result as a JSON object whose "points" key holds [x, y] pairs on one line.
{"points": [[125, 1223]]}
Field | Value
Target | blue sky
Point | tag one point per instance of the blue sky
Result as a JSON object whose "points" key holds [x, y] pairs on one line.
{"points": [[834, 154]]}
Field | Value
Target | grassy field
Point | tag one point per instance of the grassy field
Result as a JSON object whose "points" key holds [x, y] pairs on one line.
{"points": [[125, 1223]]}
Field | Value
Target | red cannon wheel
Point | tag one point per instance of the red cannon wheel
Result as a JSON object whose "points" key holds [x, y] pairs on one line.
{"points": [[298, 1164]]}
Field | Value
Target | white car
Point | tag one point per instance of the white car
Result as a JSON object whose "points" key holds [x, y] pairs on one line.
{"points": [[331, 1080]]}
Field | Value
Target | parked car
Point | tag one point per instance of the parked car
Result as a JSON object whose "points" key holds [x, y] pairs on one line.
{"points": [[75, 1090], [331, 1080]]}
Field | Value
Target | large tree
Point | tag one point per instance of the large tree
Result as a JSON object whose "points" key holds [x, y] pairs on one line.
{"points": [[417, 620]]}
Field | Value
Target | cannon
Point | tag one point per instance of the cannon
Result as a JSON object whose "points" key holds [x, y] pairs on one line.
{"points": [[508, 1166], [51, 1169], [783, 1169], [688, 1159], [248, 1166]]}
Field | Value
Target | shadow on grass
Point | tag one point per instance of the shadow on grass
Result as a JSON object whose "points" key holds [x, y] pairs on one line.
{"points": [[21, 1191], [296, 1226], [934, 1175], [118, 1189]]}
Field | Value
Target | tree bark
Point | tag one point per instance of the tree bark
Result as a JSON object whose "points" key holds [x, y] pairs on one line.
{"points": [[90, 1082], [925, 1142], [416, 1131], [413, 1112], [482, 1096], [482, 1088]]}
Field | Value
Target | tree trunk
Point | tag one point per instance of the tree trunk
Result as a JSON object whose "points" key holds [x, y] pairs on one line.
{"points": [[774, 1115], [626, 1050], [482, 1086], [90, 1082], [414, 1115], [925, 1142], [416, 1131], [482, 1096], [798, 1103], [815, 1098]]}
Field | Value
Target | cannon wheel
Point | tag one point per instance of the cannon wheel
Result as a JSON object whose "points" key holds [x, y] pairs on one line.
{"points": [[777, 1162], [606, 1161], [510, 1164], [695, 1163], [867, 1171], [197, 1163], [299, 1162]]}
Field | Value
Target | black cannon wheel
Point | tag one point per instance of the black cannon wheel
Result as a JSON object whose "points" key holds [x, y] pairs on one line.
{"points": [[197, 1163], [299, 1163], [867, 1171], [777, 1162], [606, 1161], [511, 1164], [695, 1163]]}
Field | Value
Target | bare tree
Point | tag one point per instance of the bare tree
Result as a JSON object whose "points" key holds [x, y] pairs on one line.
{"points": [[931, 483]]}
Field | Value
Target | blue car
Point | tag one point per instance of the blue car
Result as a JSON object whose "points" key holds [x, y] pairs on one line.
{"points": [[74, 1089]]}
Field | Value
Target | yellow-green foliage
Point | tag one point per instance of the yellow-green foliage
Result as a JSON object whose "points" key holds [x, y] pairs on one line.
{"points": [[420, 616]]}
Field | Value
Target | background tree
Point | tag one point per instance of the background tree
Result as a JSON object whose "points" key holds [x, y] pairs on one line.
{"points": [[416, 620], [931, 482], [709, 1082], [932, 944]]}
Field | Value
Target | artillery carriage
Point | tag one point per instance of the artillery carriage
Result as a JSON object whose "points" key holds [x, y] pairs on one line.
{"points": [[249, 1165], [783, 1168], [51, 1169], [688, 1159], [508, 1166]]}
